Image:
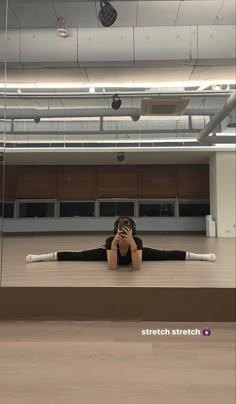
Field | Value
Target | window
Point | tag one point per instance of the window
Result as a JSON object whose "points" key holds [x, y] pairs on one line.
{"points": [[36, 209], [112, 209], [73, 209], [193, 209], [156, 209], [8, 210]]}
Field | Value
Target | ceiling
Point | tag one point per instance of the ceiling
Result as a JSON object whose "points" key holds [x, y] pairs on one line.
{"points": [[131, 13], [186, 48]]}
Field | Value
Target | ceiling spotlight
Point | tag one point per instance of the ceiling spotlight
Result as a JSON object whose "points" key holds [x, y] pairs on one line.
{"points": [[135, 118], [116, 102], [107, 14], [62, 27], [120, 156]]}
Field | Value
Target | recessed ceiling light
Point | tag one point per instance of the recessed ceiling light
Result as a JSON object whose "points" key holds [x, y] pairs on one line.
{"points": [[62, 27]]}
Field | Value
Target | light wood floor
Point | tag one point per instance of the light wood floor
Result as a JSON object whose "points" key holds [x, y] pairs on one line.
{"points": [[111, 362], [15, 272]]}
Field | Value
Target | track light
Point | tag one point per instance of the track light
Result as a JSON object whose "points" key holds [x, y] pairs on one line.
{"points": [[135, 118], [107, 14], [120, 156], [62, 27], [116, 102]]}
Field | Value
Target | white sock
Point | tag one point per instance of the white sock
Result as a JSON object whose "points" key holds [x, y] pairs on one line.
{"points": [[200, 257], [41, 257]]}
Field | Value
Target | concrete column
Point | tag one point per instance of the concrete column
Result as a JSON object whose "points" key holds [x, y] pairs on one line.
{"points": [[222, 170]]}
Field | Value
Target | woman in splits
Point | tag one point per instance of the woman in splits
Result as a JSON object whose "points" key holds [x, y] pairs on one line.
{"points": [[123, 248]]}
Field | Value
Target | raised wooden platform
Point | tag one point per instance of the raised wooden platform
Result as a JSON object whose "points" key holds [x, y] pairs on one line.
{"points": [[104, 303], [160, 291]]}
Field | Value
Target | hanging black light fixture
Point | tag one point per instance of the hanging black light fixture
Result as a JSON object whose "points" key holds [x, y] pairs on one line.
{"points": [[107, 14], [116, 102]]}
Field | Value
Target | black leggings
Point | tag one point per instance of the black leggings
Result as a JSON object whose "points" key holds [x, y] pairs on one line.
{"points": [[99, 254]]}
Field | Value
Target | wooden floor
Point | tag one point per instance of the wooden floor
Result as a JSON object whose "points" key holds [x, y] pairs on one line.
{"points": [[15, 272], [107, 362]]}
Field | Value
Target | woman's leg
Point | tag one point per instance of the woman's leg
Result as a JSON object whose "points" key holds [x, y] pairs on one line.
{"points": [[95, 254], [152, 254]]}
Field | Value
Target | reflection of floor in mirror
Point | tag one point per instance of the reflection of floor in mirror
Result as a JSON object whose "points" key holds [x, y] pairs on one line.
{"points": [[169, 273], [104, 362]]}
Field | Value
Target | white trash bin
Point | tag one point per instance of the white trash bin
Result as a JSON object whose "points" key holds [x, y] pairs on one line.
{"points": [[210, 227]]}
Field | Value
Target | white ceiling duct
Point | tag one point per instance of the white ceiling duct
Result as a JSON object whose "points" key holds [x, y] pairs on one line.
{"points": [[225, 110], [125, 47]]}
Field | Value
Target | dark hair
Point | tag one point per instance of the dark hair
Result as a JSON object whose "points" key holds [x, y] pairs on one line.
{"points": [[131, 222]]}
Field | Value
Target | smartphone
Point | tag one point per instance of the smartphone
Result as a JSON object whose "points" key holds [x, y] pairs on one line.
{"points": [[123, 223]]}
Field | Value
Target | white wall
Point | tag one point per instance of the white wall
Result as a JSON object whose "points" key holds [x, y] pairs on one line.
{"points": [[101, 224], [223, 192], [213, 188]]}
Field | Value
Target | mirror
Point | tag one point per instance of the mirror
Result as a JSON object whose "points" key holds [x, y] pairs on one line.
{"points": [[86, 145], [3, 124]]}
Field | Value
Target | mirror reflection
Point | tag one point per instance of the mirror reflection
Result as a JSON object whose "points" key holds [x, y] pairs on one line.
{"points": [[101, 123]]}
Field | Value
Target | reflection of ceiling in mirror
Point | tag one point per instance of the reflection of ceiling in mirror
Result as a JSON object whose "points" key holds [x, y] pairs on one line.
{"points": [[154, 48]]}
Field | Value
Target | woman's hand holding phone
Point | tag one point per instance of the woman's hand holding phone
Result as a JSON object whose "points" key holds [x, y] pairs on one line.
{"points": [[127, 235], [116, 240]]}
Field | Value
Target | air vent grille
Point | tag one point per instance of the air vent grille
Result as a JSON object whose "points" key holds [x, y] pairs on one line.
{"points": [[157, 106]]}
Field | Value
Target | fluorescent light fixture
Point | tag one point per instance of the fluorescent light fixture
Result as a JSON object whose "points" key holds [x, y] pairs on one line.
{"points": [[78, 119], [112, 149], [163, 140], [82, 84]]}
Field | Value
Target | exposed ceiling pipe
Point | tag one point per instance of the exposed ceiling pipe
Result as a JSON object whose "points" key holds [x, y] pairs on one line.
{"points": [[31, 113], [104, 95], [228, 106], [106, 132]]}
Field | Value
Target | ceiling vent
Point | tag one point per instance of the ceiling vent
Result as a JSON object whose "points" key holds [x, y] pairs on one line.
{"points": [[158, 106]]}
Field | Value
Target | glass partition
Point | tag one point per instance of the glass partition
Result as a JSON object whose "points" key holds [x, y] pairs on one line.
{"points": [[194, 208], [35, 209], [77, 209], [116, 208], [157, 208]]}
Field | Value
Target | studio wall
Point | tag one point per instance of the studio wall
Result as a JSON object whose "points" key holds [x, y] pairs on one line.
{"points": [[92, 182]]}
